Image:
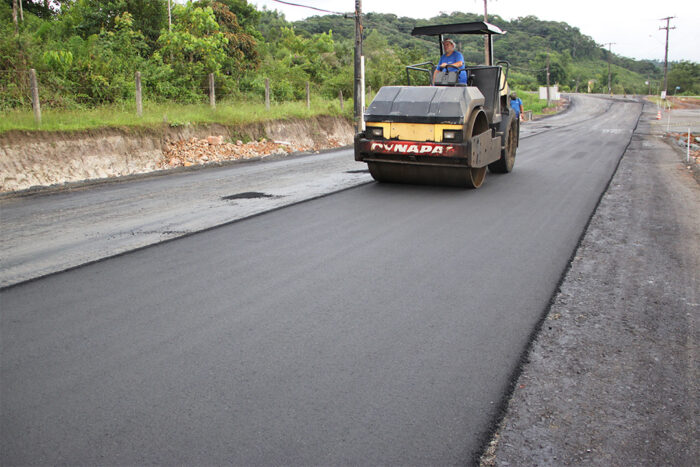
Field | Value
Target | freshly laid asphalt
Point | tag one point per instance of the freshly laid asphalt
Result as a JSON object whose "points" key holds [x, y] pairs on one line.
{"points": [[378, 325]]}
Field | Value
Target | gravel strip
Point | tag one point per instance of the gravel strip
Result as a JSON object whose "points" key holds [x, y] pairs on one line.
{"points": [[612, 377]]}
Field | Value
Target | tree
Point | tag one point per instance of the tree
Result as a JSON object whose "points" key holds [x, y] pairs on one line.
{"points": [[242, 48], [40, 8], [195, 46], [558, 65], [14, 15], [686, 75], [382, 65], [89, 17]]}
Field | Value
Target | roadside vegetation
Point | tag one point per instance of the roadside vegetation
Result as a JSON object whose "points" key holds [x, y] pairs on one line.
{"points": [[156, 114], [86, 54]]}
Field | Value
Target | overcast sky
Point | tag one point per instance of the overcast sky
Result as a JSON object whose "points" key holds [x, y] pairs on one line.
{"points": [[633, 25]]}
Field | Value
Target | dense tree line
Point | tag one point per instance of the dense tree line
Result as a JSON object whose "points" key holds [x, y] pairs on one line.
{"points": [[575, 59], [86, 52]]}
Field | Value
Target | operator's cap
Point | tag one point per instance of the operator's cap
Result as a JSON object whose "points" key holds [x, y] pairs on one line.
{"points": [[450, 41], [513, 94]]}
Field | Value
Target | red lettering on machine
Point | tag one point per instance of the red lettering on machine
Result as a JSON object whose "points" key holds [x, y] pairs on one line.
{"points": [[428, 149]]}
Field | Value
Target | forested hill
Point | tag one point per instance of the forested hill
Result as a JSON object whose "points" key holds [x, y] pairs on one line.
{"points": [[87, 53], [574, 56]]}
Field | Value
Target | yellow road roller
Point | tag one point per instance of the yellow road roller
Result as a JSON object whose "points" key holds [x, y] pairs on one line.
{"points": [[445, 133]]}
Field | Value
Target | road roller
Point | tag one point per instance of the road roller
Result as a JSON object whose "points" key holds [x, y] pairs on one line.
{"points": [[445, 133]]}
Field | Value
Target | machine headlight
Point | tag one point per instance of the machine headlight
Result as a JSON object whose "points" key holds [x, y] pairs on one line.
{"points": [[375, 132], [450, 135]]}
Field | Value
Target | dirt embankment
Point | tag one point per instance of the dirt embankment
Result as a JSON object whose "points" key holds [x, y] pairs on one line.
{"points": [[31, 159]]}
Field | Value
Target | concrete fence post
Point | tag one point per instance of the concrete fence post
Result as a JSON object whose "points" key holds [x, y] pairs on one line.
{"points": [[267, 93], [340, 96], [212, 91], [35, 96], [308, 95], [139, 102]]}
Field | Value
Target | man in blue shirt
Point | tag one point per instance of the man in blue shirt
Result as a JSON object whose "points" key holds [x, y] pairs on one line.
{"points": [[451, 57], [516, 104]]}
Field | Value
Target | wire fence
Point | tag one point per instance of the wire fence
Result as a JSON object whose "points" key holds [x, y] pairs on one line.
{"points": [[203, 88]]}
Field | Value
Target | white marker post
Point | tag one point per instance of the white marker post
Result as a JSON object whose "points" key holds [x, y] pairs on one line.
{"points": [[362, 95], [687, 154]]}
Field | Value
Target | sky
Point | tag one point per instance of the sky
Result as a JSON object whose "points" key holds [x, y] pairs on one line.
{"points": [[632, 25]]}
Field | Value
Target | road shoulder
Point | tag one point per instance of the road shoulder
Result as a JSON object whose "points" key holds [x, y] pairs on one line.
{"points": [[611, 378]]}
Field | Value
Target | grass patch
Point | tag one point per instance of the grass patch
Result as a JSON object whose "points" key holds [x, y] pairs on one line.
{"points": [[155, 114], [123, 115], [532, 101], [659, 101]]}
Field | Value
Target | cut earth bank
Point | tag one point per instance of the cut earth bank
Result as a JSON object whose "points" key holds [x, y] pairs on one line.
{"points": [[42, 159]]}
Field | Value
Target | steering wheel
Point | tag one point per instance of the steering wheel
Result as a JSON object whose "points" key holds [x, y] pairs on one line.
{"points": [[444, 69]]}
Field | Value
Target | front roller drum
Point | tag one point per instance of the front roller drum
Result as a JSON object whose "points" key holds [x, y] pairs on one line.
{"points": [[463, 177]]}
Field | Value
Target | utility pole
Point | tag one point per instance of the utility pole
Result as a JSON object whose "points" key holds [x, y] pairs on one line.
{"points": [[548, 76], [667, 28], [487, 41], [359, 92], [609, 44]]}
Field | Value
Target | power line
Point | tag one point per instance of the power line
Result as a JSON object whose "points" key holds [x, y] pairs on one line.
{"points": [[309, 7]]}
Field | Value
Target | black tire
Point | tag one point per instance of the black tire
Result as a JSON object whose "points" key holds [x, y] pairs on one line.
{"points": [[505, 164]]}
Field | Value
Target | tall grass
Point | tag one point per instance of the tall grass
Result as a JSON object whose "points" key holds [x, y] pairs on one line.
{"points": [[532, 101], [123, 115]]}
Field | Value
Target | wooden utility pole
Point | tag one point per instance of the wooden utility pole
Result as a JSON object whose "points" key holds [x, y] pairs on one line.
{"points": [[487, 37], [667, 28], [36, 105], [609, 44], [359, 92], [548, 98]]}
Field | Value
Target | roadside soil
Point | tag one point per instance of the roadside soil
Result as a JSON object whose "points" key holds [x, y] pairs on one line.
{"points": [[42, 159], [611, 377], [685, 102]]}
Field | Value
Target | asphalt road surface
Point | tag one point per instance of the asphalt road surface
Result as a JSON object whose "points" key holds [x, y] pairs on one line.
{"points": [[378, 325]]}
